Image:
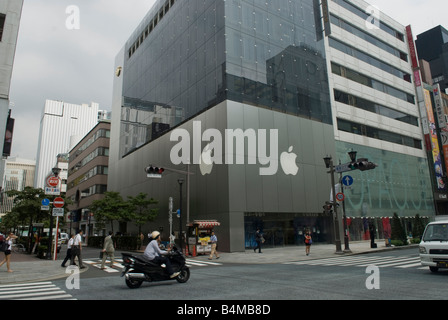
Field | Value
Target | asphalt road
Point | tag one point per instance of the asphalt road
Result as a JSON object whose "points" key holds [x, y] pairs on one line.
{"points": [[261, 282]]}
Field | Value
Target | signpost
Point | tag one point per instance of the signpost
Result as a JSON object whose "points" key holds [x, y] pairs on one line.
{"points": [[58, 202]]}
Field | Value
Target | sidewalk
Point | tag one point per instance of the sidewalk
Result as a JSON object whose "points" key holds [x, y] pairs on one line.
{"points": [[28, 268]]}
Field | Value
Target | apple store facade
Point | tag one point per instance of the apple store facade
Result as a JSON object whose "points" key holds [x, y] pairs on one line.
{"points": [[236, 93]]}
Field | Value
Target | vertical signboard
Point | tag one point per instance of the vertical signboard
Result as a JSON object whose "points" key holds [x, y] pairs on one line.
{"points": [[434, 141]]}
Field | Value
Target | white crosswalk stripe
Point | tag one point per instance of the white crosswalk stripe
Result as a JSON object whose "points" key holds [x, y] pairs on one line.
{"points": [[33, 291], [200, 263], [118, 264], [364, 261]]}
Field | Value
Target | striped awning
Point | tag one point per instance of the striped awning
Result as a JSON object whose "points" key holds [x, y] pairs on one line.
{"points": [[206, 223]]}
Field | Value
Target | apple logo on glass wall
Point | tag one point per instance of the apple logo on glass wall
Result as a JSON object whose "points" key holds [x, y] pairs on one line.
{"points": [[205, 160], [288, 162]]}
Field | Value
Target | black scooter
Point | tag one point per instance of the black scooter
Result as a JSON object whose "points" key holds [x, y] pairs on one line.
{"points": [[138, 269]]}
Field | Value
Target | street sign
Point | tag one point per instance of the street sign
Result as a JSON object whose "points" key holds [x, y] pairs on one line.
{"points": [[52, 191], [52, 182], [45, 208], [45, 202], [340, 168], [347, 181], [58, 212], [58, 202], [340, 197]]}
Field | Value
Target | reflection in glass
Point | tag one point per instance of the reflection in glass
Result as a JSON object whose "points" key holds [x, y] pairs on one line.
{"points": [[268, 54]]}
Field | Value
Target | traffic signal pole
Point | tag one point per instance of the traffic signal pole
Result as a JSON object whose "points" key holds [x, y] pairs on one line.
{"points": [[337, 235]]}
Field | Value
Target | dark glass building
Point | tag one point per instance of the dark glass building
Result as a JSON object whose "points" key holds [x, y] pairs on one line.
{"points": [[237, 92], [432, 46]]}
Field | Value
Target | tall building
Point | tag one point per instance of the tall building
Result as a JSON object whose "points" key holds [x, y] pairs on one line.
{"points": [[19, 173], [87, 180], [250, 97], [375, 112], [62, 125], [10, 14], [432, 46]]}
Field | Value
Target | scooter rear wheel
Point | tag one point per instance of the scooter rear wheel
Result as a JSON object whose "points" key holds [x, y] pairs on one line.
{"points": [[133, 284], [184, 275]]}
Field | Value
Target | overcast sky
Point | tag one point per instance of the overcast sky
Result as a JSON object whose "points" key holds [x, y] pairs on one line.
{"points": [[76, 66]]}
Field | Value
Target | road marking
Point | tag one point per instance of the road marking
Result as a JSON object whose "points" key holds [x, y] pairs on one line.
{"points": [[361, 261], [33, 291]]}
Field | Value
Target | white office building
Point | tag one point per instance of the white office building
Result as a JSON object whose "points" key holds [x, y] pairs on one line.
{"points": [[62, 126], [10, 14], [370, 60]]}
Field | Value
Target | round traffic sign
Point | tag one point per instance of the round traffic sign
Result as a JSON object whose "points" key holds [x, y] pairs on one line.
{"points": [[45, 202], [340, 197], [52, 181], [58, 202]]}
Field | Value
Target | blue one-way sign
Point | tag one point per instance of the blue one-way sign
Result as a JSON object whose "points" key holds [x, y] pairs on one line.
{"points": [[347, 181]]}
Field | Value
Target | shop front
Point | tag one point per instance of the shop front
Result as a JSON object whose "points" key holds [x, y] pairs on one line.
{"points": [[282, 229]]}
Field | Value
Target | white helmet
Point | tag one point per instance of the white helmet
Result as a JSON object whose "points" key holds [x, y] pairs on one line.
{"points": [[155, 234]]}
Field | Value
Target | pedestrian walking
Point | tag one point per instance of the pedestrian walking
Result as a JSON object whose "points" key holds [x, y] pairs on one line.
{"points": [[68, 256], [7, 259], [214, 242], [77, 249], [259, 240], [108, 250], [142, 237], [308, 242]]}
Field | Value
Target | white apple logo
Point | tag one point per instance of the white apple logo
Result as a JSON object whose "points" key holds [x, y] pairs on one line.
{"points": [[205, 160], [288, 162]]}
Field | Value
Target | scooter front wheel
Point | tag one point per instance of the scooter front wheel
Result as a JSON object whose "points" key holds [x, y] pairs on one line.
{"points": [[184, 275]]}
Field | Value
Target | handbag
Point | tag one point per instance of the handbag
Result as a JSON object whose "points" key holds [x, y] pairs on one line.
{"points": [[3, 246]]}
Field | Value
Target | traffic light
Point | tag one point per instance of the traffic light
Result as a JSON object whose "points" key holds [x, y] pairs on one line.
{"points": [[362, 165], [154, 172], [328, 208]]}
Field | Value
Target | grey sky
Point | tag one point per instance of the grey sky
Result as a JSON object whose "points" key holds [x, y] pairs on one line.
{"points": [[76, 66]]}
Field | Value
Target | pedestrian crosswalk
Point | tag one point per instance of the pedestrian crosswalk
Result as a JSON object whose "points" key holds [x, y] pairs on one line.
{"points": [[403, 262], [33, 291], [118, 266]]}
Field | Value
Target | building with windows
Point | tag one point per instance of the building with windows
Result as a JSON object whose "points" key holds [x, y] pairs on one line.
{"points": [[375, 112], [249, 98], [432, 46], [62, 125], [87, 176], [19, 173], [10, 15]]}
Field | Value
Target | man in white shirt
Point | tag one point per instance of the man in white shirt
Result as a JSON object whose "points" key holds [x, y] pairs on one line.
{"points": [[69, 250], [77, 249]]}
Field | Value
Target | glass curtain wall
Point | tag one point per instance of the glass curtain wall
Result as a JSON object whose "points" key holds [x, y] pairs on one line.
{"points": [[187, 56]]}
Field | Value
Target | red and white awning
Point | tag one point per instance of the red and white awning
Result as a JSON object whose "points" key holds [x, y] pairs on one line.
{"points": [[206, 224]]}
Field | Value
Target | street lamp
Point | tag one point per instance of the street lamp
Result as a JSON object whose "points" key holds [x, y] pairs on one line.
{"points": [[352, 155], [180, 181], [329, 164]]}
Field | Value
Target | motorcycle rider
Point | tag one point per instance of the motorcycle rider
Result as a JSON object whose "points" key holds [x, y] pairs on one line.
{"points": [[155, 254]]}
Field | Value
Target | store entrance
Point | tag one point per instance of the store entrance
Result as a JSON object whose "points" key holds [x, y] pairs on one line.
{"points": [[282, 229]]}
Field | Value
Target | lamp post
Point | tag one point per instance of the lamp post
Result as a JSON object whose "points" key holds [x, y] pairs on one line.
{"points": [[329, 164], [352, 155], [180, 181]]}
